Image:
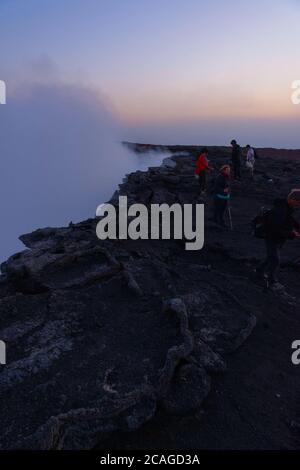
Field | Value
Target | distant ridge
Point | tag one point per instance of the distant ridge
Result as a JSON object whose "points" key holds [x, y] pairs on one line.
{"points": [[138, 147]]}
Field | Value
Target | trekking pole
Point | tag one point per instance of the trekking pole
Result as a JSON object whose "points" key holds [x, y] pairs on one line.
{"points": [[230, 216]]}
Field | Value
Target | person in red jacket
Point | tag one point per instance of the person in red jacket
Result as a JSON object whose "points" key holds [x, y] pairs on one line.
{"points": [[202, 166]]}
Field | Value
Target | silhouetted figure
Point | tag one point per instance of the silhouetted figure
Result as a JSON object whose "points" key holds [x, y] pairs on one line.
{"points": [[236, 160], [221, 194], [279, 226]]}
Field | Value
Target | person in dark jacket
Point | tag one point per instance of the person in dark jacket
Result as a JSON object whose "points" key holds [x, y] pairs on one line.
{"points": [[221, 194], [236, 160], [280, 226]]}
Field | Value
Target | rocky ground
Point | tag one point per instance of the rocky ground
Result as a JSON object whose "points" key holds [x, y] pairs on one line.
{"points": [[142, 344]]}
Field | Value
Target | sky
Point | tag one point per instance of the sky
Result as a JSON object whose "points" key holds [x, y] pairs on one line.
{"points": [[83, 75], [164, 63]]}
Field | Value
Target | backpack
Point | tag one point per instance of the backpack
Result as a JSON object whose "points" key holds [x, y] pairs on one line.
{"points": [[259, 223]]}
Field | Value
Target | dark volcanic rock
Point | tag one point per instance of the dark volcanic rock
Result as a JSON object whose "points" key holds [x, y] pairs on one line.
{"points": [[187, 391], [100, 333]]}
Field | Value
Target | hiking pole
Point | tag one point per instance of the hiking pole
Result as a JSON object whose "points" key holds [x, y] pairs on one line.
{"points": [[230, 216]]}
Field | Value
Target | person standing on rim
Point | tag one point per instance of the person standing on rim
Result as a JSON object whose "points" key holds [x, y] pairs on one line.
{"points": [[221, 194], [202, 166], [278, 227], [236, 160], [250, 160]]}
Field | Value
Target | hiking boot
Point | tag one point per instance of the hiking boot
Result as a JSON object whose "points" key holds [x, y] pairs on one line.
{"points": [[259, 278], [277, 287], [259, 274]]}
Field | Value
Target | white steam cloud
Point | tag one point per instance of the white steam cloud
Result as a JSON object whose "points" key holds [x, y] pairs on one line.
{"points": [[60, 157]]}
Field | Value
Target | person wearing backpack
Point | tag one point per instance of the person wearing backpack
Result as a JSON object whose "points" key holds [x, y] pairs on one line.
{"points": [[202, 166], [221, 194], [236, 160], [276, 226]]}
